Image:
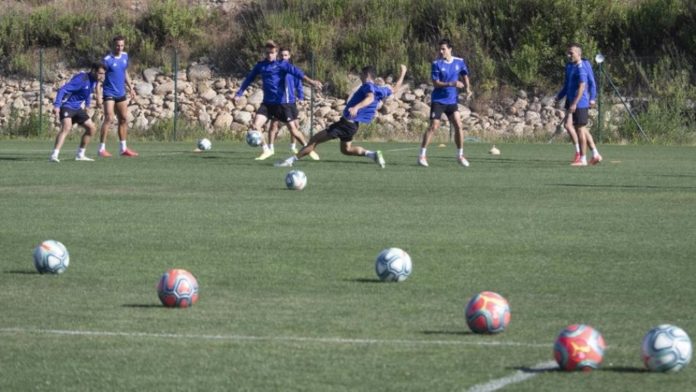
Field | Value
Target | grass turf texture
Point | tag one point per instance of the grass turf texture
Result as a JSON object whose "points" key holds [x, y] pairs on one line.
{"points": [[289, 299]]}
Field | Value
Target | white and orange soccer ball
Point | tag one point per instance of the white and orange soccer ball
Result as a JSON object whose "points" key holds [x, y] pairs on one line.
{"points": [[51, 257], [177, 288], [487, 312], [579, 347]]}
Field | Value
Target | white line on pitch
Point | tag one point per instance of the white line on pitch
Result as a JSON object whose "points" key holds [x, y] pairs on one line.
{"points": [[270, 338], [518, 376]]}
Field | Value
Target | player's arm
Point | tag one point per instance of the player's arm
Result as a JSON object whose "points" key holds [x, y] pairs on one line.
{"points": [[467, 85], [369, 98], [98, 93], [578, 96], [247, 81]]}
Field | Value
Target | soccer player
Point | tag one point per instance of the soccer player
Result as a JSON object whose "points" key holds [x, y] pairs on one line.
{"points": [[361, 108], [567, 123], [448, 74], [274, 74], [68, 107], [293, 92], [577, 104], [115, 98]]}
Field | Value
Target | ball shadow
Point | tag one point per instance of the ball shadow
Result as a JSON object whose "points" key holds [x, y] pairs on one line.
{"points": [[22, 272], [624, 369], [144, 306], [364, 280], [451, 333]]}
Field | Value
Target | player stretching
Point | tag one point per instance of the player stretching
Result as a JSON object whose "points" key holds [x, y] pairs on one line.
{"points": [[274, 74], [68, 109], [115, 99], [447, 75], [361, 108]]}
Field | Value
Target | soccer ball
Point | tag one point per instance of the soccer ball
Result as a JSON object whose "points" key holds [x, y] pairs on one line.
{"points": [[51, 257], [487, 312], [204, 144], [579, 347], [666, 348], [393, 265], [177, 288], [296, 179], [254, 138]]}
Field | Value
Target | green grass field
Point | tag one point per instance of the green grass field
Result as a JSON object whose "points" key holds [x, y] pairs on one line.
{"points": [[289, 299]]}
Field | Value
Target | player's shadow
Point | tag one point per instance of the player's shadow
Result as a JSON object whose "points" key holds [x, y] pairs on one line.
{"points": [[142, 306], [450, 333], [364, 280]]}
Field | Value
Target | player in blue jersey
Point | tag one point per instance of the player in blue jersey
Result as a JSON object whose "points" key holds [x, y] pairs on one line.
{"points": [[361, 108], [293, 92], [567, 120], [577, 101], [273, 74], [116, 97], [448, 74], [69, 106]]}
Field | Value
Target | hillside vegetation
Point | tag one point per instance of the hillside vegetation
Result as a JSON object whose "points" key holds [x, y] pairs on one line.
{"points": [[650, 44]]}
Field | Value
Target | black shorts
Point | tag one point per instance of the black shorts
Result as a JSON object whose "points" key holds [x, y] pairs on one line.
{"points": [[78, 116], [343, 129], [581, 116], [280, 112], [115, 99], [436, 110], [294, 111]]}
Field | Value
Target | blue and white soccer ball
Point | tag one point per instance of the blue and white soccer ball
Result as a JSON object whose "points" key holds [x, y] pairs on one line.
{"points": [[254, 138], [666, 348], [204, 144], [51, 257], [393, 265], [296, 180]]}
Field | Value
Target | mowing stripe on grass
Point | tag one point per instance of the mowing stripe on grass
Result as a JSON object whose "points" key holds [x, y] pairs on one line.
{"points": [[268, 338], [518, 376]]}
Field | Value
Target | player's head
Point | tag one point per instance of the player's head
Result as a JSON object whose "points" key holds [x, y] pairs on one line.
{"points": [[118, 43], [445, 48], [367, 73], [574, 52], [271, 50], [285, 54], [98, 70]]}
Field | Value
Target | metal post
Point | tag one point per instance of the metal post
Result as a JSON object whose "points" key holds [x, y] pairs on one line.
{"points": [[311, 99], [599, 103], [630, 112], [176, 93], [41, 89]]}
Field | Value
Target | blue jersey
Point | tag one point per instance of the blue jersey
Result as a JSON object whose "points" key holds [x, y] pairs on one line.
{"points": [[293, 89], [591, 85], [446, 72], [115, 79], [366, 114], [578, 74], [78, 90], [273, 74]]}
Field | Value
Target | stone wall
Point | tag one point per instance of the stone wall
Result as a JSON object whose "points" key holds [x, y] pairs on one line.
{"points": [[206, 99]]}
